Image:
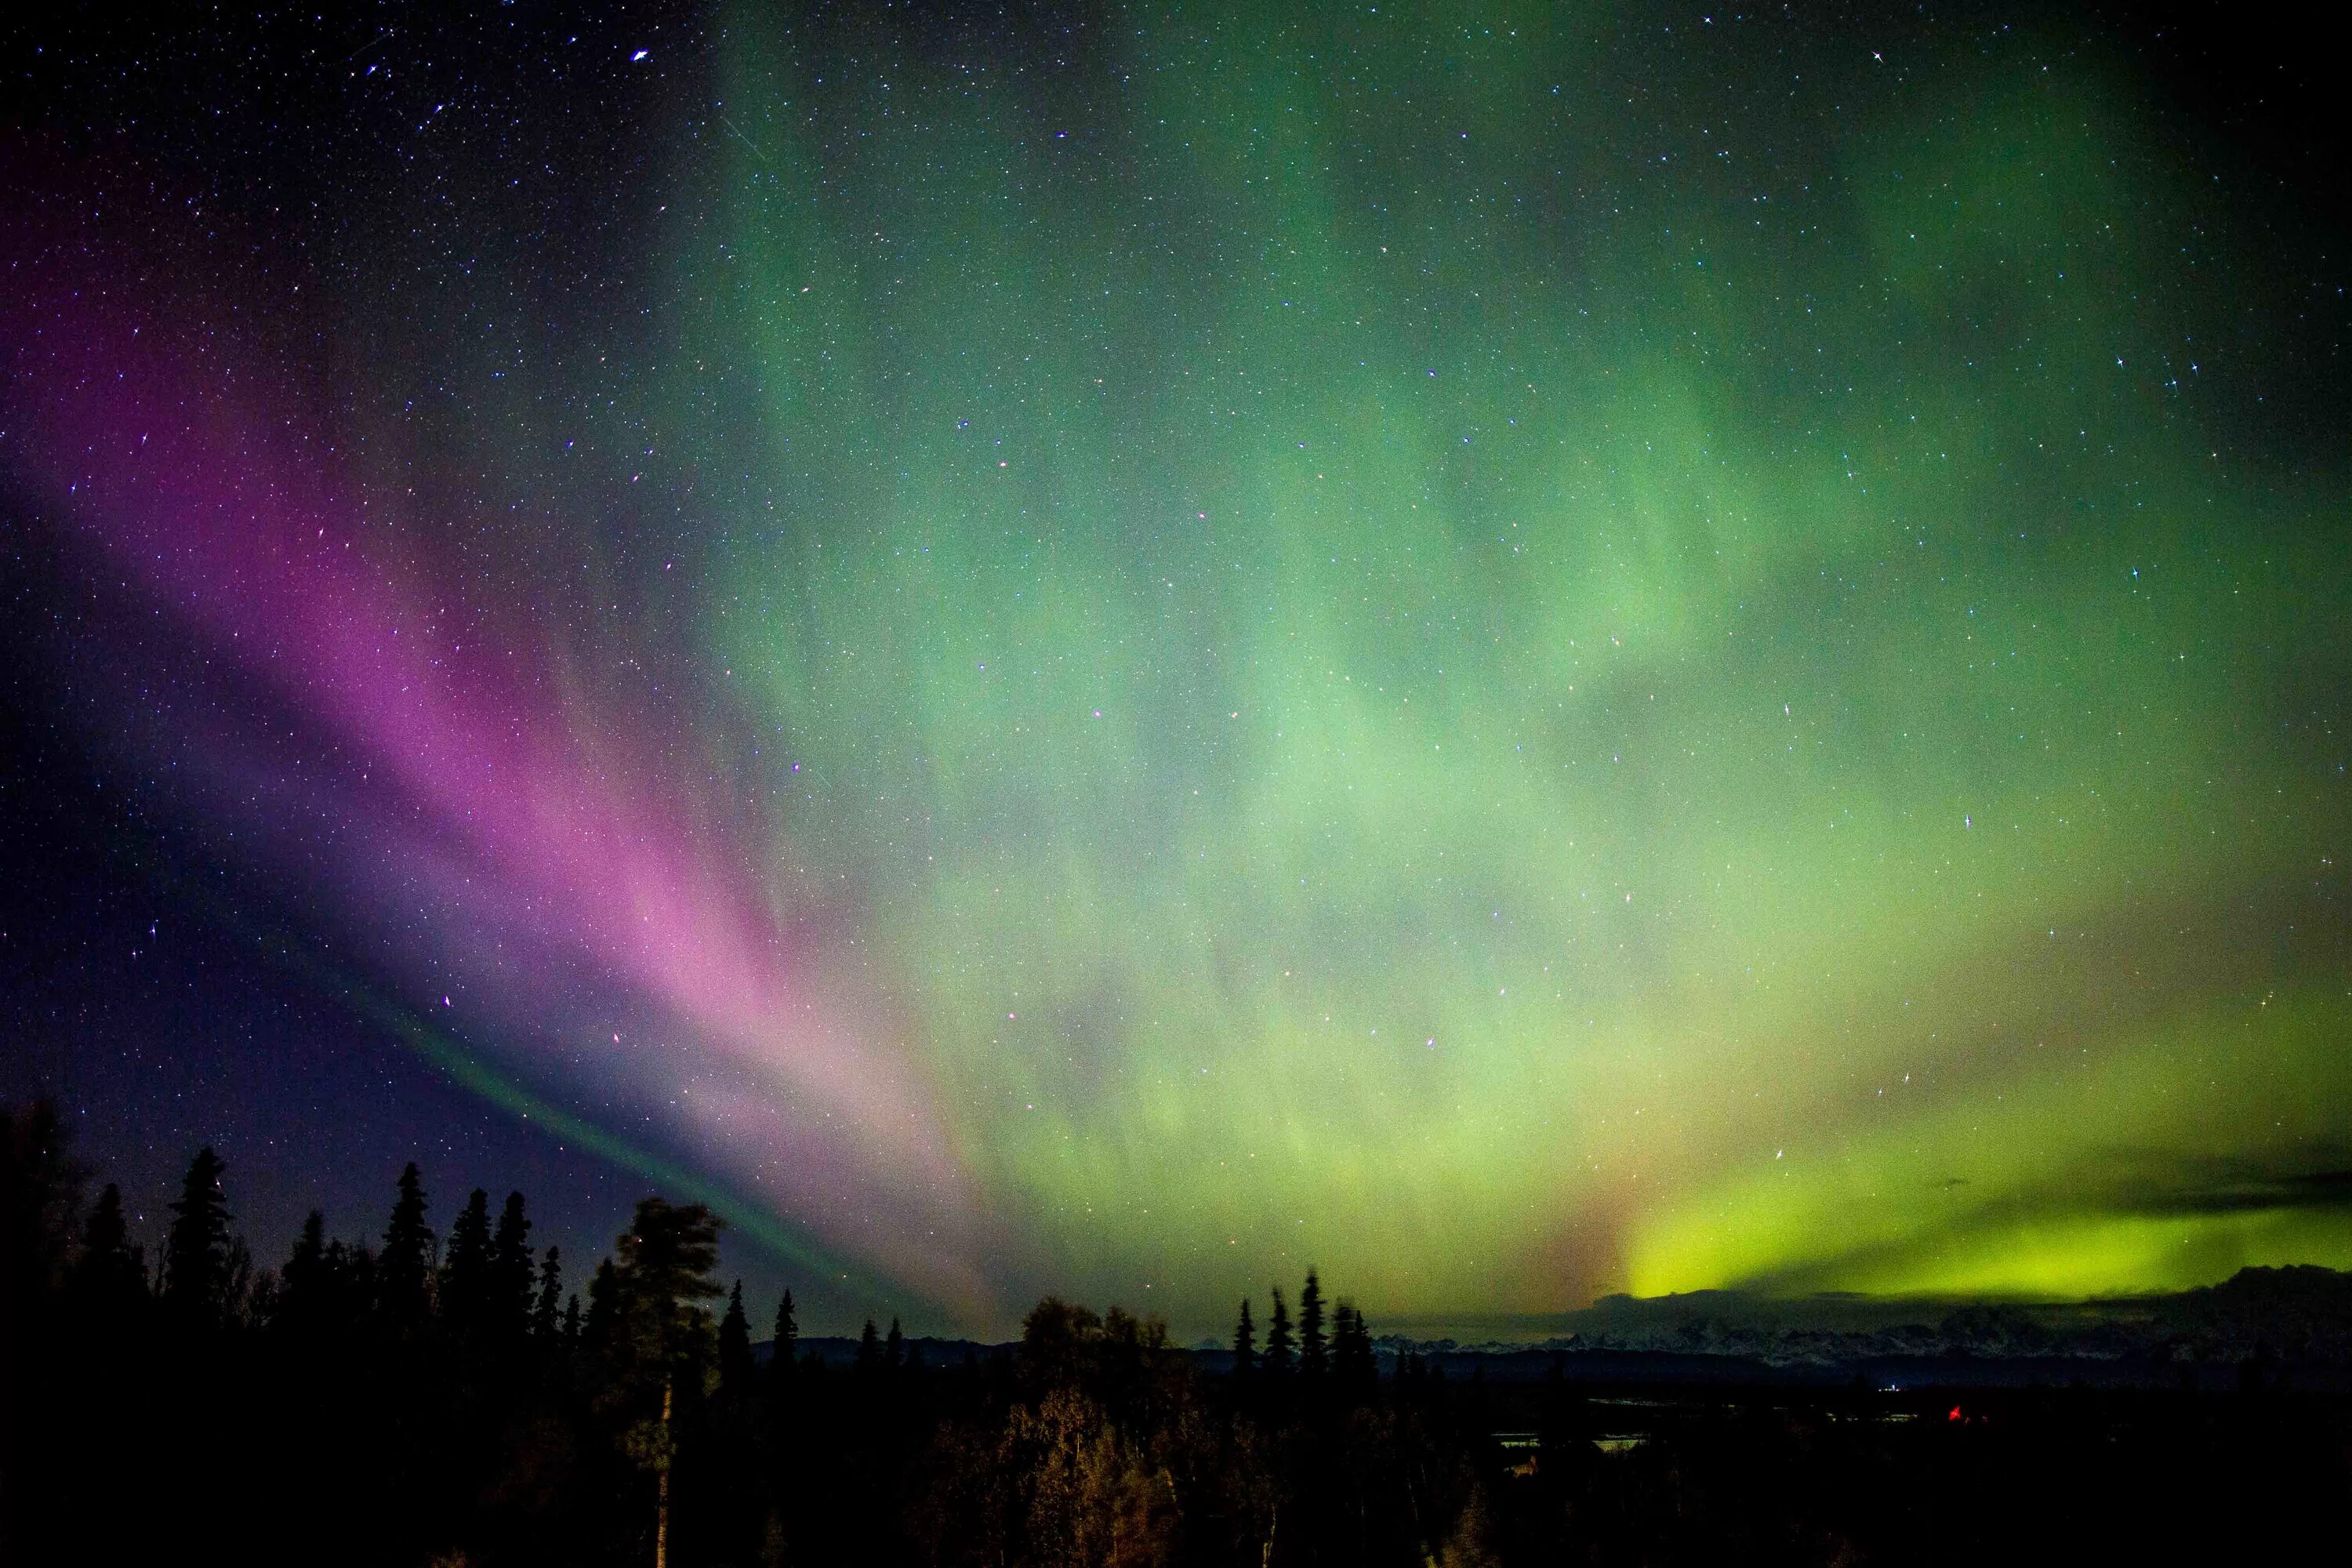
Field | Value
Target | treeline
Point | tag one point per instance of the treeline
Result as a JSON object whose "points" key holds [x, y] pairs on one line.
{"points": [[443, 1396], [440, 1398]]}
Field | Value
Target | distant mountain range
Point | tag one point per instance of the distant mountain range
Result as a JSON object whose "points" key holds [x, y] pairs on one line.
{"points": [[2290, 1325], [2303, 1313]]}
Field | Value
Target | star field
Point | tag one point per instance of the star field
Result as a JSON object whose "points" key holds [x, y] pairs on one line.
{"points": [[1517, 653]]}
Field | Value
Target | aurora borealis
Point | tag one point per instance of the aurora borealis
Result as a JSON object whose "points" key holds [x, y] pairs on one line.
{"points": [[1517, 651]]}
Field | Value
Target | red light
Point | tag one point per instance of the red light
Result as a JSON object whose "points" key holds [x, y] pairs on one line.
{"points": [[1956, 1414]]}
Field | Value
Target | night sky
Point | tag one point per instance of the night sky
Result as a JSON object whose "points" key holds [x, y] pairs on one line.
{"points": [[1517, 650]]}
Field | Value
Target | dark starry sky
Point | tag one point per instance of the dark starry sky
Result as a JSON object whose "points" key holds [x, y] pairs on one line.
{"points": [[1513, 650]]}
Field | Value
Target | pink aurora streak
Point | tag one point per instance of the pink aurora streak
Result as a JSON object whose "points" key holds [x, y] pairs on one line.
{"points": [[219, 506]]}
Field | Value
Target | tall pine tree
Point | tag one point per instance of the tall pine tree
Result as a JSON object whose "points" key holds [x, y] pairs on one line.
{"points": [[788, 1338], [735, 1369], [662, 1339], [403, 1270], [546, 1318], [1311, 1345], [466, 1270], [303, 1283], [109, 1281], [509, 1308], [1279, 1345], [1352, 1364], [197, 1250], [1245, 1343]]}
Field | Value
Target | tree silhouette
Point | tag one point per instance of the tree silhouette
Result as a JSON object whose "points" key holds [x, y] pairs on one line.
{"points": [[1058, 1340], [466, 1270], [1310, 1328], [509, 1306], [894, 1348], [302, 1298], [197, 1260], [1245, 1342], [1353, 1364], [735, 1366], [1278, 1342], [869, 1348], [108, 1282], [405, 1268], [661, 1340], [546, 1318], [788, 1335]]}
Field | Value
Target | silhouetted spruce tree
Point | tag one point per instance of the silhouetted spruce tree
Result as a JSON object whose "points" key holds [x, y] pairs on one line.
{"points": [[1245, 1343], [546, 1318], [894, 1348], [509, 1316], [197, 1250], [108, 1283], [1278, 1344], [1354, 1367], [787, 1431], [661, 1339], [788, 1339], [599, 1327], [302, 1302], [403, 1270], [466, 1270], [735, 1369], [1311, 1346], [869, 1348]]}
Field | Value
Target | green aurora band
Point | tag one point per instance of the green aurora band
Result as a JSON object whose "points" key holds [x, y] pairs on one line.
{"points": [[1515, 651], [1520, 662]]}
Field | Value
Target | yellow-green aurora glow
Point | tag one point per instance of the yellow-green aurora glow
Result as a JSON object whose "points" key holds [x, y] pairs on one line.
{"points": [[1517, 651], [1491, 662]]}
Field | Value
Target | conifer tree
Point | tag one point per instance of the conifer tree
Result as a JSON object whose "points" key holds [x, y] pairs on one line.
{"points": [[599, 1329], [109, 1281], [1278, 1342], [466, 1269], [869, 1348], [735, 1366], [509, 1305], [309, 1259], [894, 1351], [1245, 1342], [788, 1337], [242, 1294], [1311, 1345], [405, 1268], [1352, 1362], [196, 1251], [661, 1334], [302, 1301], [546, 1318]]}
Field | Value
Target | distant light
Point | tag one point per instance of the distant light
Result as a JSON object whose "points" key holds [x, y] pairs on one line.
{"points": [[641, 54]]}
